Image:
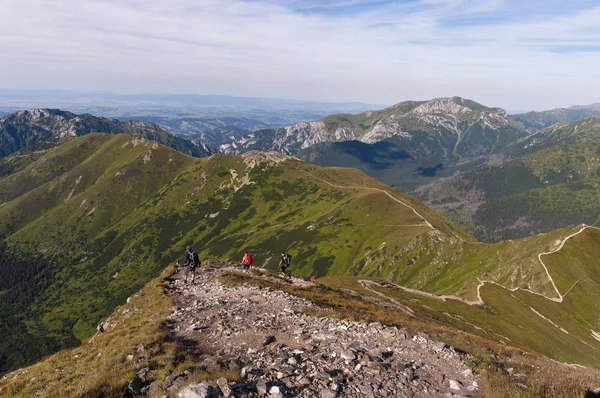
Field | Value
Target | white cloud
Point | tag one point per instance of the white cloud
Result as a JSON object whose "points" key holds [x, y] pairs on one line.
{"points": [[488, 50]]}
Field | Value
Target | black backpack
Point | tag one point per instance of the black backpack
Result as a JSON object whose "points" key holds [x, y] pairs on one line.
{"points": [[289, 259], [195, 259]]}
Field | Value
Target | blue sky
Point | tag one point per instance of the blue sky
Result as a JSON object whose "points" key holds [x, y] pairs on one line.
{"points": [[520, 55]]}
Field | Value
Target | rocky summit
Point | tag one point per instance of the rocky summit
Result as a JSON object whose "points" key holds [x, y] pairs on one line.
{"points": [[287, 346]]}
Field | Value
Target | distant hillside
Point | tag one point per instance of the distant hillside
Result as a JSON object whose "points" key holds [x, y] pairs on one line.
{"points": [[90, 222], [559, 134], [32, 128], [552, 188], [443, 128], [533, 122]]}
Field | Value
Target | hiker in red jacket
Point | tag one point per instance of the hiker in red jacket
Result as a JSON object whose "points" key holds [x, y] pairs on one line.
{"points": [[247, 260]]}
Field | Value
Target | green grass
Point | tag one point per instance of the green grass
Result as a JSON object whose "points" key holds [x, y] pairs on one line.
{"points": [[553, 188], [137, 207]]}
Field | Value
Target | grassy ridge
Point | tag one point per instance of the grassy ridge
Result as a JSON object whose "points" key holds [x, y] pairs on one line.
{"points": [[105, 214], [137, 205]]}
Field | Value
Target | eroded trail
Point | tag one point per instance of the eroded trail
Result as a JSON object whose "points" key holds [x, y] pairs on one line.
{"points": [[367, 284], [560, 297], [559, 245], [392, 197], [286, 351]]}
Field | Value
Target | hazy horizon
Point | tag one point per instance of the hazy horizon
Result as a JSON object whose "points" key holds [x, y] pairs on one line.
{"points": [[520, 56], [99, 93]]}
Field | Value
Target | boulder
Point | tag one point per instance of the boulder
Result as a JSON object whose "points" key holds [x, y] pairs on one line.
{"points": [[455, 384], [224, 387], [268, 340], [327, 393], [195, 390]]}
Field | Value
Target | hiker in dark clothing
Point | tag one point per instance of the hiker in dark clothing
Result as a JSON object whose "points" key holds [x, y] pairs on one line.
{"points": [[191, 262], [286, 261]]}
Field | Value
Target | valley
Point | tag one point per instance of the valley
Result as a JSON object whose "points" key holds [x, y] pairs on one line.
{"points": [[88, 219], [106, 213]]}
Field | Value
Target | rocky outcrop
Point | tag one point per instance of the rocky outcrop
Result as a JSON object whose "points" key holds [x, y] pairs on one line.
{"points": [[282, 350], [447, 120], [34, 127]]}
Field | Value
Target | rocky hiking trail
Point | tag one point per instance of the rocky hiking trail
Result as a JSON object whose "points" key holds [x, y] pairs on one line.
{"points": [[283, 350]]}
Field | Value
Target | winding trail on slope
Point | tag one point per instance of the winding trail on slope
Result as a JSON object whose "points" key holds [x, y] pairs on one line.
{"points": [[376, 190], [367, 284], [481, 282], [562, 243]]}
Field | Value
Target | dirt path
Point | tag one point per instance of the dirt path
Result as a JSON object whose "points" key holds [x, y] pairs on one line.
{"points": [[479, 301], [560, 246], [425, 221], [277, 341]]}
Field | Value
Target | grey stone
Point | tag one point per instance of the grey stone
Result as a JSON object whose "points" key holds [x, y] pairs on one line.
{"points": [[261, 387], [304, 381], [224, 387], [170, 380], [348, 355], [195, 390], [327, 393], [455, 384], [276, 392], [366, 390], [103, 327]]}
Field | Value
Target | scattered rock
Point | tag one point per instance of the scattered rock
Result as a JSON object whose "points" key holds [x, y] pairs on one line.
{"points": [[261, 387], [103, 327], [268, 340], [170, 380], [348, 355], [327, 393], [196, 390], [455, 384], [280, 349], [224, 387]]}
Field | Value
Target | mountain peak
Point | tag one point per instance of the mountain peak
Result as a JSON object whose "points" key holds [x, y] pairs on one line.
{"points": [[444, 105], [37, 114], [255, 158]]}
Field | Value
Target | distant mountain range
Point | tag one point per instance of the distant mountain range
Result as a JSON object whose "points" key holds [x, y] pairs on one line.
{"points": [[453, 127], [46, 127], [83, 101], [552, 181], [410, 146], [536, 121], [92, 220]]}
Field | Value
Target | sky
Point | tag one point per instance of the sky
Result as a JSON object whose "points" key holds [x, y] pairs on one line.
{"points": [[517, 54]]}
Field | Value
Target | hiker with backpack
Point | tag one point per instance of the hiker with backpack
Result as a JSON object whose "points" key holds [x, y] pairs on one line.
{"points": [[247, 260], [191, 262], [286, 261]]}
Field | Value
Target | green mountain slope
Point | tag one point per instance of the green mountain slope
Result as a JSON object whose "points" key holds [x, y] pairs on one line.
{"points": [[90, 222], [560, 134], [552, 188], [532, 122], [37, 129], [100, 215]]}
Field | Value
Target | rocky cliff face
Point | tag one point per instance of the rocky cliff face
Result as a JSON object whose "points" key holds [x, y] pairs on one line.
{"points": [[30, 128], [451, 120]]}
